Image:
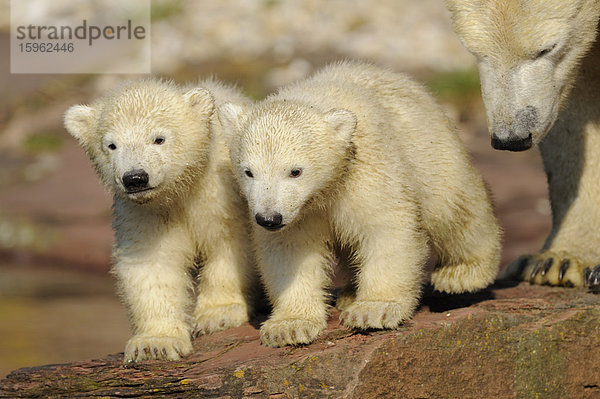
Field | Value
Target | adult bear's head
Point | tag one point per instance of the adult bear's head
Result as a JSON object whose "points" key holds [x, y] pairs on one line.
{"points": [[528, 53]]}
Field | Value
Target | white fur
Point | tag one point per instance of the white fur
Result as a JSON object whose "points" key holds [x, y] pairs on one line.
{"points": [[563, 84], [382, 175], [193, 213]]}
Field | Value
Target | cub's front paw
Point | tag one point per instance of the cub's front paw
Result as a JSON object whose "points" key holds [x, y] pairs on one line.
{"points": [[210, 319], [144, 347], [553, 268], [290, 332], [374, 314]]}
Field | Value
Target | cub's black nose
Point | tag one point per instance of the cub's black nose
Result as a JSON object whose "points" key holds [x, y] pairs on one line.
{"points": [[270, 222], [135, 180]]}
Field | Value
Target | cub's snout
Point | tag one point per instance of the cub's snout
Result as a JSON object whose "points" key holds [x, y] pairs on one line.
{"points": [[135, 180], [271, 221]]}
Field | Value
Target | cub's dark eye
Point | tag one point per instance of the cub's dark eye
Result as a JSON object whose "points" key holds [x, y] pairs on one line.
{"points": [[248, 173], [159, 140], [112, 146], [295, 172], [545, 51]]}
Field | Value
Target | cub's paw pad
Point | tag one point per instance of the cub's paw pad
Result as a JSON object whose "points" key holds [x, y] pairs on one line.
{"points": [[144, 347], [211, 319], [290, 332], [373, 314], [557, 269], [592, 278]]}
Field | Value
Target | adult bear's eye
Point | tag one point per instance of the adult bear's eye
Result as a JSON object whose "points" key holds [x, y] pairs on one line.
{"points": [[545, 51], [112, 146], [295, 172], [248, 173], [159, 140]]}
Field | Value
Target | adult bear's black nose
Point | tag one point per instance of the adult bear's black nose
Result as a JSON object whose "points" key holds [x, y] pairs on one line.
{"points": [[516, 136], [135, 180], [512, 143], [269, 222]]}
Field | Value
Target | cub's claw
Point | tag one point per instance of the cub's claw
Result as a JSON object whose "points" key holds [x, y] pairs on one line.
{"points": [[374, 314], [216, 318], [277, 333], [142, 347]]}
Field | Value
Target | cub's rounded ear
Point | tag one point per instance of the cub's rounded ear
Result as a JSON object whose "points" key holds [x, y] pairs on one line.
{"points": [[231, 116], [343, 123], [201, 100], [79, 121]]}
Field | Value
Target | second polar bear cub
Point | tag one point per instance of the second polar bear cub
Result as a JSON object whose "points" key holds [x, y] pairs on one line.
{"points": [[363, 160], [160, 149]]}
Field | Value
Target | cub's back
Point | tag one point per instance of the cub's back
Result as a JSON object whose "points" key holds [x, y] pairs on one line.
{"points": [[402, 133], [223, 93]]}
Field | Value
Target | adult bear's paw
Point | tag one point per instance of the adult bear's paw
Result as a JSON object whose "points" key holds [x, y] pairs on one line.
{"points": [[554, 268]]}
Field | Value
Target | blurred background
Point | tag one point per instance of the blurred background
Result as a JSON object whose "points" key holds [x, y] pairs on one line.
{"points": [[57, 301]]}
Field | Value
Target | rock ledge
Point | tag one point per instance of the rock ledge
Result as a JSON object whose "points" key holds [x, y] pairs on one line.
{"points": [[508, 342]]}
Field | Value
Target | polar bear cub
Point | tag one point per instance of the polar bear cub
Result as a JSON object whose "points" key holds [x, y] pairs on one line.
{"points": [[159, 148], [360, 159]]}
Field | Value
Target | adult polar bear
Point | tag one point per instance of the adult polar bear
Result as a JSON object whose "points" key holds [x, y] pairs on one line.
{"points": [[362, 159], [539, 63]]}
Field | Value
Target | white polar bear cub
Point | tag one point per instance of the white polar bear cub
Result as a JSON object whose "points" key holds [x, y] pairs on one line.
{"points": [[363, 160], [160, 149]]}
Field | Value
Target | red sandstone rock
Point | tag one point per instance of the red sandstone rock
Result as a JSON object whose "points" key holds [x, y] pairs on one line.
{"points": [[509, 342]]}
